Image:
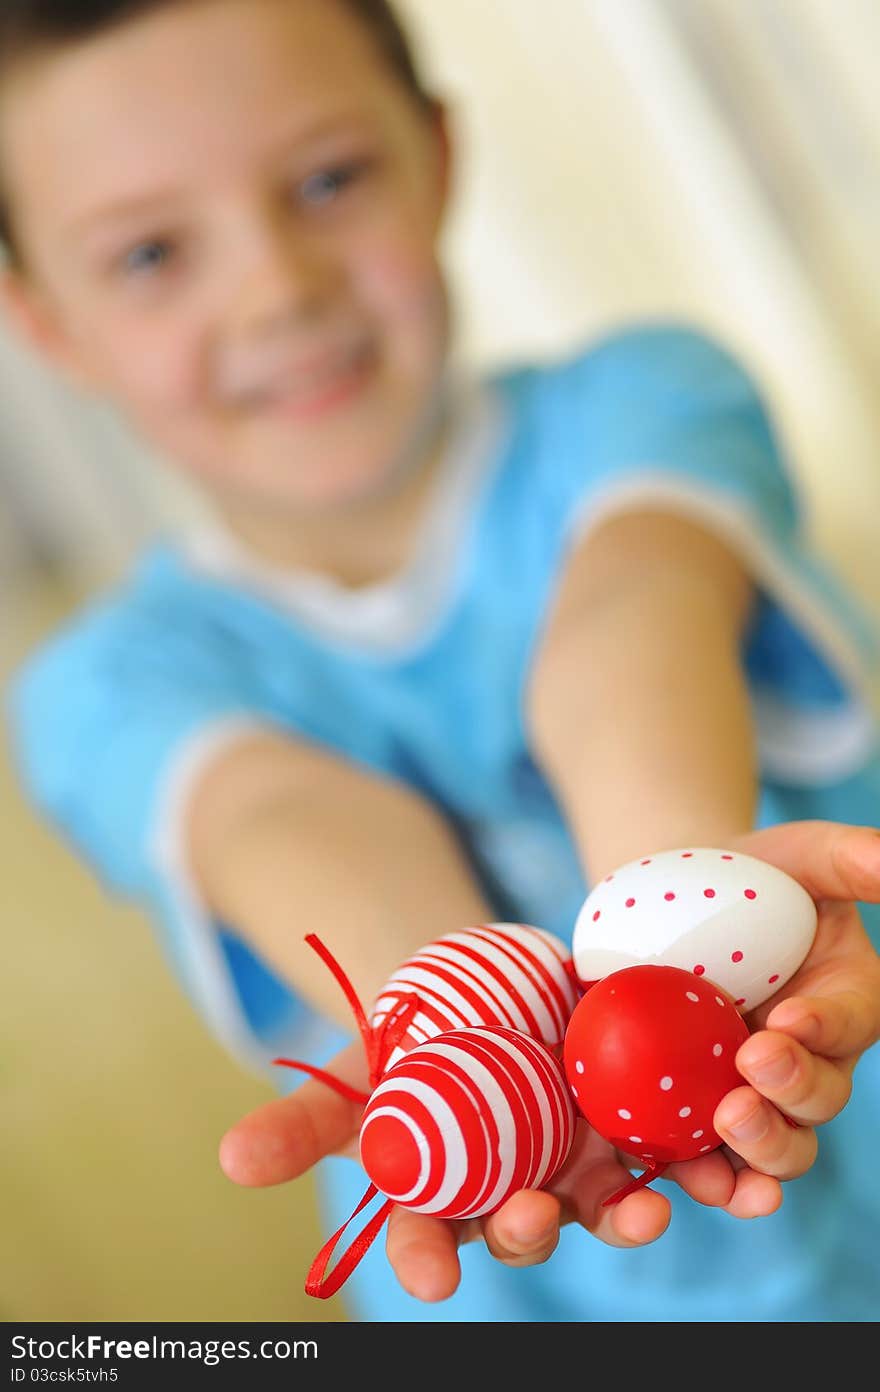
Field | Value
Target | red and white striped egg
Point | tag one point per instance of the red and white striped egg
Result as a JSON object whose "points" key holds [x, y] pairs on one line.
{"points": [[505, 974], [465, 1121], [742, 923]]}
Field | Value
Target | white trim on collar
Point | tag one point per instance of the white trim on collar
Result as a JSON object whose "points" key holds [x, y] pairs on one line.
{"points": [[393, 613]]}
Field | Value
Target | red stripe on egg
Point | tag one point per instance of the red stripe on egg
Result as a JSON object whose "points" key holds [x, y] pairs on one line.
{"points": [[490, 1112], [509, 975]]}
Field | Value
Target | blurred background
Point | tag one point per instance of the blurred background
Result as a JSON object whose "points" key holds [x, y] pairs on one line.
{"points": [[717, 160]]}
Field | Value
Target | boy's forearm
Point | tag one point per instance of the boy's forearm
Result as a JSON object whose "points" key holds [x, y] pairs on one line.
{"points": [[362, 862], [643, 720], [665, 756]]}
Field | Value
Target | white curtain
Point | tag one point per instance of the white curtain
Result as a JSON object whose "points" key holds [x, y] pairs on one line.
{"points": [[714, 159]]}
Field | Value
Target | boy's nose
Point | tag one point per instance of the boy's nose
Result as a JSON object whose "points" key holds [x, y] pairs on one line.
{"points": [[284, 276]]}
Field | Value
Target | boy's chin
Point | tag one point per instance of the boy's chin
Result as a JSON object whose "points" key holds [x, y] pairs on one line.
{"points": [[325, 494]]}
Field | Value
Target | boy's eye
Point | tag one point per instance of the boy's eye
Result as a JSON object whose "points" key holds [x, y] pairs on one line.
{"points": [[323, 187], [146, 258]]}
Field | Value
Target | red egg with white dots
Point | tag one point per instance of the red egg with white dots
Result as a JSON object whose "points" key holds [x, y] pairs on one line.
{"points": [[649, 1054], [461, 1123], [730, 917], [506, 974]]}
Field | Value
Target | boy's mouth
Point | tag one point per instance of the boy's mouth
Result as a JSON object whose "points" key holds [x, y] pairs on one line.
{"points": [[309, 388]]}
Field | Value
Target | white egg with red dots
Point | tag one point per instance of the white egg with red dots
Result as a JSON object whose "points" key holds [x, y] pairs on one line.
{"points": [[734, 919]]}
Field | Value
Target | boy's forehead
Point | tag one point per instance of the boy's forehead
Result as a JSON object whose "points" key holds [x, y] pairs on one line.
{"points": [[202, 81]]}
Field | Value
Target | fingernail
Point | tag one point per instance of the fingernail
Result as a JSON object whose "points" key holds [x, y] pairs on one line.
{"points": [[752, 1127], [527, 1238], [803, 1021], [774, 1070]]}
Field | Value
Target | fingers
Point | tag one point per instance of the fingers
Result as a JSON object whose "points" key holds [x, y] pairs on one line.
{"points": [[808, 1088], [723, 1180], [592, 1173], [708, 1179], [757, 1131], [838, 1026], [423, 1253], [284, 1138], [526, 1230], [830, 860], [755, 1195]]}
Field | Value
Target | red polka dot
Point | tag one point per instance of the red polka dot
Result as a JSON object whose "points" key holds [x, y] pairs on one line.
{"points": [[669, 896], [750, 894], [629, 903], [741, 1001], [727, 857], [771, 979], [736, 956], [596, 915], [646, 862], [608, 879], [686, 855], [699, 969], [709, 893]]}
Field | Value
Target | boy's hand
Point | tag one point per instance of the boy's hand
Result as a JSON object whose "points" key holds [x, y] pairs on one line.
{"points": [[808, 1038], [824, 1019], [284, 1138]]}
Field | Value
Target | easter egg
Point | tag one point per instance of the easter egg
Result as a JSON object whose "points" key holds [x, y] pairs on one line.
{"points": [[649, 1053], [505, 974], [461, 1123], [737, 920]]}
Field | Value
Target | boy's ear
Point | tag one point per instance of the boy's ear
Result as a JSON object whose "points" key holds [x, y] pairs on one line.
{"points": [[35, 321]]}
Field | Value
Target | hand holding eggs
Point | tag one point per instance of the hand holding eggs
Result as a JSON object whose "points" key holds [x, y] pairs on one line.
{"points": [[720, 914]]}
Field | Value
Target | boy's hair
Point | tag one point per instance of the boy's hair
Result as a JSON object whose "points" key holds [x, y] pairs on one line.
{"points": [[28, 26]]}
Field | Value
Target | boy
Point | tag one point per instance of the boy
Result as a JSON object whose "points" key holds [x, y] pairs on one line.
{"points": [[447, 655]]}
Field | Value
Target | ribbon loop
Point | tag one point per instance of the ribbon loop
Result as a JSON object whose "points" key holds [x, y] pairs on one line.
{"points": [[315, 1283]]}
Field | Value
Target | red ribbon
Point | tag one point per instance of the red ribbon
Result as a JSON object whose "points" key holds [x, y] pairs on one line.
{"points": [[379, 1044], [322, 1289], [653, 1171]]}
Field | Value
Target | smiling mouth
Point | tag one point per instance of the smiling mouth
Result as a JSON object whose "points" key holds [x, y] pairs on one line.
{"points": [[308, 391]]}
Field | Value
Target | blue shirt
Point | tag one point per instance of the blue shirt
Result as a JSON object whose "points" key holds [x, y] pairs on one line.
{"points": [[425, 681]]}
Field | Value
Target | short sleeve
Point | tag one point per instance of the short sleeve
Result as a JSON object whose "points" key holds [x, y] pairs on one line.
{"points": [[111, 722], [98, 717], [662, 416]]}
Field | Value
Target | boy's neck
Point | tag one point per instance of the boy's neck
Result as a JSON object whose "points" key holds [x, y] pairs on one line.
{"points": [[360, 545]]}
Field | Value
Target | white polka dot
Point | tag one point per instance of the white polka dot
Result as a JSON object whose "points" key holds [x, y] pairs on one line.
{"points": [[695, 1135], [622, 1112], [666, 1083], [579, 1066], [692, 995], [636, 1139], [574, 1090], [685, 1111], [717, 1050], [704, 1148], [719, 1000]]}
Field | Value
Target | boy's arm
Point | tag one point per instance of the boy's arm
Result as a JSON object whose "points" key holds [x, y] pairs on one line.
{"points": [[287, 839], [638, 706], [640, 716], [678, 620]]}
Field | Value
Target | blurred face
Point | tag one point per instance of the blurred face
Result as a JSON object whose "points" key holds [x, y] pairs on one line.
{"points": [[228, 213]]}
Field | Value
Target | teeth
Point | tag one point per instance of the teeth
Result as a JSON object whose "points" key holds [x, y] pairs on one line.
{"points": [[309, 383]]}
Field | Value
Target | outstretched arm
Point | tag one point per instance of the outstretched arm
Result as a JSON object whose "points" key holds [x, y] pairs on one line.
{"points": [[640, 713], [640, 717], [288, 839]]}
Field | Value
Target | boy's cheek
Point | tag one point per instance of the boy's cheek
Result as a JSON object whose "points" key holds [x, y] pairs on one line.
{"points": [[400, 280]]}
